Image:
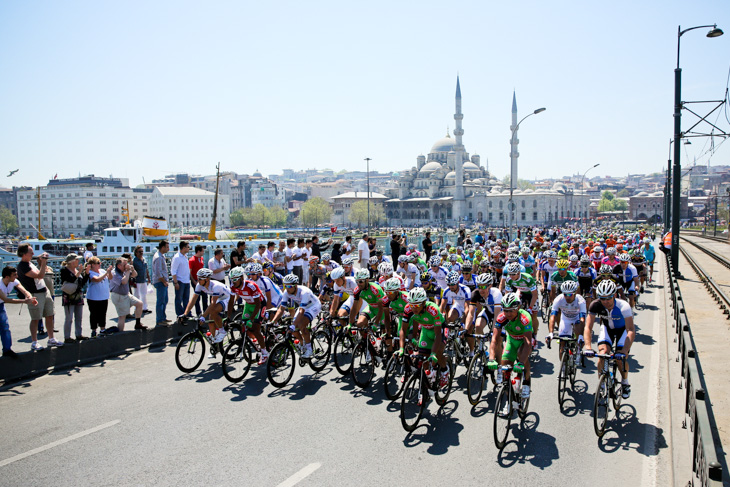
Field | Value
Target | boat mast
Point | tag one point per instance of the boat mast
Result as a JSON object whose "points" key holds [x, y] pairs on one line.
{"points": [[38, 196], [211, 233]]}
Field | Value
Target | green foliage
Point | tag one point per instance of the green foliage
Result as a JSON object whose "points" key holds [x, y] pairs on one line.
{"points": [[359, 213], [607, 195], [623, 193], [8, 221], [259, 216], [620, 205], [522, 184], [605, 205], [315, 211]]}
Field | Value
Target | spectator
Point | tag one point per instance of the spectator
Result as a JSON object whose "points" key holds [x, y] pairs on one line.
{"points": [[97, 294], [336, 254], [89, 253], [238, 256], [218, 265], [479, 239], [427, 245], [121, 298], [461, 238], [259, 256], [32, 279], [395, 247], [280, 258], [8, 283], [317, 249], [160, 280], [72, 296], [195, 264], [289, 255], [180, 272], [142, 279], [298, 254], [363, 252], [306, 254], [348, 245], [269, 254]]}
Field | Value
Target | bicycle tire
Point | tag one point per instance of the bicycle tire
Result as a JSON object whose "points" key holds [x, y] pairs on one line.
{"points": [[502, 415], [442, 393], [475, 378], [321, 348], [396, 376], [237, 359], [343, 349], [563, 377], [363, 369], [524, 407], [189, 360], [616, 397], [281, 364], [410, 409], [573, 368], [600, 406]]}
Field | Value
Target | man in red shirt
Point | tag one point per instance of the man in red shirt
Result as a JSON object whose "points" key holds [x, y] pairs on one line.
{"points": [[255, 301], [196, 263]]}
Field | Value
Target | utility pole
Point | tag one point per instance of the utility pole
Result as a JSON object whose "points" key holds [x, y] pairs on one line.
{"points": [[367, 160]]}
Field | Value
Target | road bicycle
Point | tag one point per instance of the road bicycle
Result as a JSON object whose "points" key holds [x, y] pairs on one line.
{"points": [[608, 391], [369, 352], [283, 356], [509, 400], [416, 393], [477, 372], [241, 353], [190, 349], [343, 346], [456, 347], [568, 366], [545, 306]]}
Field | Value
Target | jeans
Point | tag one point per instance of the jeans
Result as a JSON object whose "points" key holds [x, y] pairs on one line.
{"points": [[182, 296], [161, 303], [7, 340]]}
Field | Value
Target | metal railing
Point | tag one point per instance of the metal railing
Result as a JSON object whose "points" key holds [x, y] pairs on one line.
{"points": [[705, 465]]}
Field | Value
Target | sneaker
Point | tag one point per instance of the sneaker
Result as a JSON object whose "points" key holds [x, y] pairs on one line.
{"points": [[444, 378], [10, 354], [35, 346], [307, 351], [219, 336], [69, 340], [264, 357], [505, 410], [93, 333], [81, 338], [525, 391], [625, 391], [146, 312], [52, 342], [140, 327]]}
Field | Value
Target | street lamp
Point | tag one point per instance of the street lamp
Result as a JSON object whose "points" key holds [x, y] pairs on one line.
{"points": [[513, 169], [582, 188], [677, 169]]}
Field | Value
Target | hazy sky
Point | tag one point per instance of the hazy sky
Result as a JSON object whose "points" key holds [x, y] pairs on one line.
{"points": [[142, 89]]}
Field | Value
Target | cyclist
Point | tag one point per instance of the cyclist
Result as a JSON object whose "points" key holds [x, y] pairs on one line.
{"points": [[219, 295], [526, 287], [437, 271], [397, 302], [347, 263], [547, 267], [456, 296], [373, 268], [560, 276], [318, 272], [648, 250], [268, 270], [342, 300], [637, 260], [486, 304], [574, 263], [454, 265], [369, 298], [309, 307], [429, 321], [617, 330], [409, 271], [572, 310], [610, 258], [517, 324], [627, 277], [328, 262], [514, 258], [467, 277], [272, 292], [254, 300], [433, 291], [527, 261], [597, 257], [586, 274], [386, 272]]}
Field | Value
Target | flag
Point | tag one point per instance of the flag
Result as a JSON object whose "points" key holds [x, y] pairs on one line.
{"points": [[56, 176]]}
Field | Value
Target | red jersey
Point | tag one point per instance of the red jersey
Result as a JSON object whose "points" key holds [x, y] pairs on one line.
{"points": [[249, 291]]}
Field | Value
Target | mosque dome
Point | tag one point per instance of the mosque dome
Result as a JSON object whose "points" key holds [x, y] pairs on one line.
{"points": [[430, 167], [443, 145], [257, 174], [451, 175]]}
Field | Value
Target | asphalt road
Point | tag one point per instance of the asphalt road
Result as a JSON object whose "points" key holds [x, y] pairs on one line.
{"points": [[136, 420]]}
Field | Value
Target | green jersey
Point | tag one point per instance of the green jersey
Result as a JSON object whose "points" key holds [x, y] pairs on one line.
{"points": [[399, 305], [372, 294], [556, 279], [525, 283], [428, 319]]}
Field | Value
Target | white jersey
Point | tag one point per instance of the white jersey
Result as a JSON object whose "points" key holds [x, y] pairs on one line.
{"points": [[267, 285], [346, 290], [215, 288], [439, 275], [410, 274], [458, 298], [571, 312], [304, 297]]}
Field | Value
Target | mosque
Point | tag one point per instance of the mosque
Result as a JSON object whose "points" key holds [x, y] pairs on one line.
{"points": [[450, 187]]}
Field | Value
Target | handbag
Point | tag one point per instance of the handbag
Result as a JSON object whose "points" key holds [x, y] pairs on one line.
{"points": [[69, 287]]}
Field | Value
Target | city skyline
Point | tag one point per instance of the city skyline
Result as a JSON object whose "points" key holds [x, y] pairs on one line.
{"points": [[147, 90]]}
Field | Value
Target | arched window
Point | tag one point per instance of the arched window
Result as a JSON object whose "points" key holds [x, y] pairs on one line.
{"points": [[425, 215]]}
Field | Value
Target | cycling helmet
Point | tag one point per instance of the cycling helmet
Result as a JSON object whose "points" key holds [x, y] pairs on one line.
{"points": [[391, 284], [453, 258], [606, 289], [403, 259], [411, 257], [362, 274], [373, 261], [314, 259], [336, 273], [574, 258], [597, 248], [254, 268], [525, 250], [485, 278], [513, 268], [411, 246], [443, 253], [605, 269], [513, 257], [326, 256], [452, 278], [204, 273], [563, 264], [611, 251], [385, 268], [426, 277], [467, 266], [624, 258], [292, 278], [349, 260], [510, 301], [434, 261], [569, 287], [417, 295], [585, 260], [646, 240], [267, 265], [235, 274]]}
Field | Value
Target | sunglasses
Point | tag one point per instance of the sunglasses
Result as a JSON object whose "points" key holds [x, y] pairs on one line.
{"points": [[362, 281], [483, 286], [608, 298], [290, 286], [567, 295]]}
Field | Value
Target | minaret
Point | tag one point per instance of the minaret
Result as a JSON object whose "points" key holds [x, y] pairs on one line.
{"points": [[458, 206], [513, 155]]}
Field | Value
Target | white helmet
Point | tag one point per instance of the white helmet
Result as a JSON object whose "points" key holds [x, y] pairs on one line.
{"points": [[569, 286], [204, 273], [362, 274], [417, 295], [255, 268], [391, 284], [236, 273], [452, 278], [291, 279], [485, 278], [403, 258], [624, 258], [606, 289], [434, 261], [513, 268], [385, 268], [337, 272]]}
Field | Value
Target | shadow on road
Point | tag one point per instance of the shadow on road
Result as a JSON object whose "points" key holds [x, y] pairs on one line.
{"points": [[253, 385], [578, 400], [529, 446], [206, 374], [625, 432], [439, 428]]}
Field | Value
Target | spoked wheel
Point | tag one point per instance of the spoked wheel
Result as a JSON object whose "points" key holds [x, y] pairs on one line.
{"points": [[320, 349], [545, 310], [524, 407], [412, 403], [363, 364], [563, 377], [442, 393], [237, 359], [190, 352], [600, 407], [344, 346], [475, 378], [281, 364], [396, 376], [502, 416], [573, 367], [616, 396]]}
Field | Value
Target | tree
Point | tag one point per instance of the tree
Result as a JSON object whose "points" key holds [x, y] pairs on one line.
{"points": [[623, 193], [522, 184], [277, 217], [359, 213], [259, 214], [605, 205], [620, 205], [315, 211], [8, 221], [607, 195], [241, 217]]}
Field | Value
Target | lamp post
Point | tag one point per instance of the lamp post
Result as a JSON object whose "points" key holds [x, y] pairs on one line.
{"points": [[677, 169], [513, 169], [367, 160], [582, 188]]}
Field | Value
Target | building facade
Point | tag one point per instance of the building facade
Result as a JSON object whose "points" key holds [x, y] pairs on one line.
{"points": [[342, 203], [189, 207]]}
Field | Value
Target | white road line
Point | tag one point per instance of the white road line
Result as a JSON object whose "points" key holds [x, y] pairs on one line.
{"points": [[300, 475], [59, 442]]}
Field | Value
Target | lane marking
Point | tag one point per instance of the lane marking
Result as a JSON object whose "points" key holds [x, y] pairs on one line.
{"points": [[300, 475], [59, 442]]}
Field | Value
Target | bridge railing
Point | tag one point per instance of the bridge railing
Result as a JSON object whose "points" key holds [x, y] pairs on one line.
{"points": [[700, 421]]}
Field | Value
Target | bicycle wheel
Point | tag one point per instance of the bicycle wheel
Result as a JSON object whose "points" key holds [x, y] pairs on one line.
{"points": [[442, 393], [475, 378], [396, 376], [616, 394], [563, 377], [363, 364], [502, 415], [281, 364], [524, 407], [190, 352], [412, 403], [320, 349], [344, 346], [573, 367], [237, 359], [600, 407], [545, 309]]}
